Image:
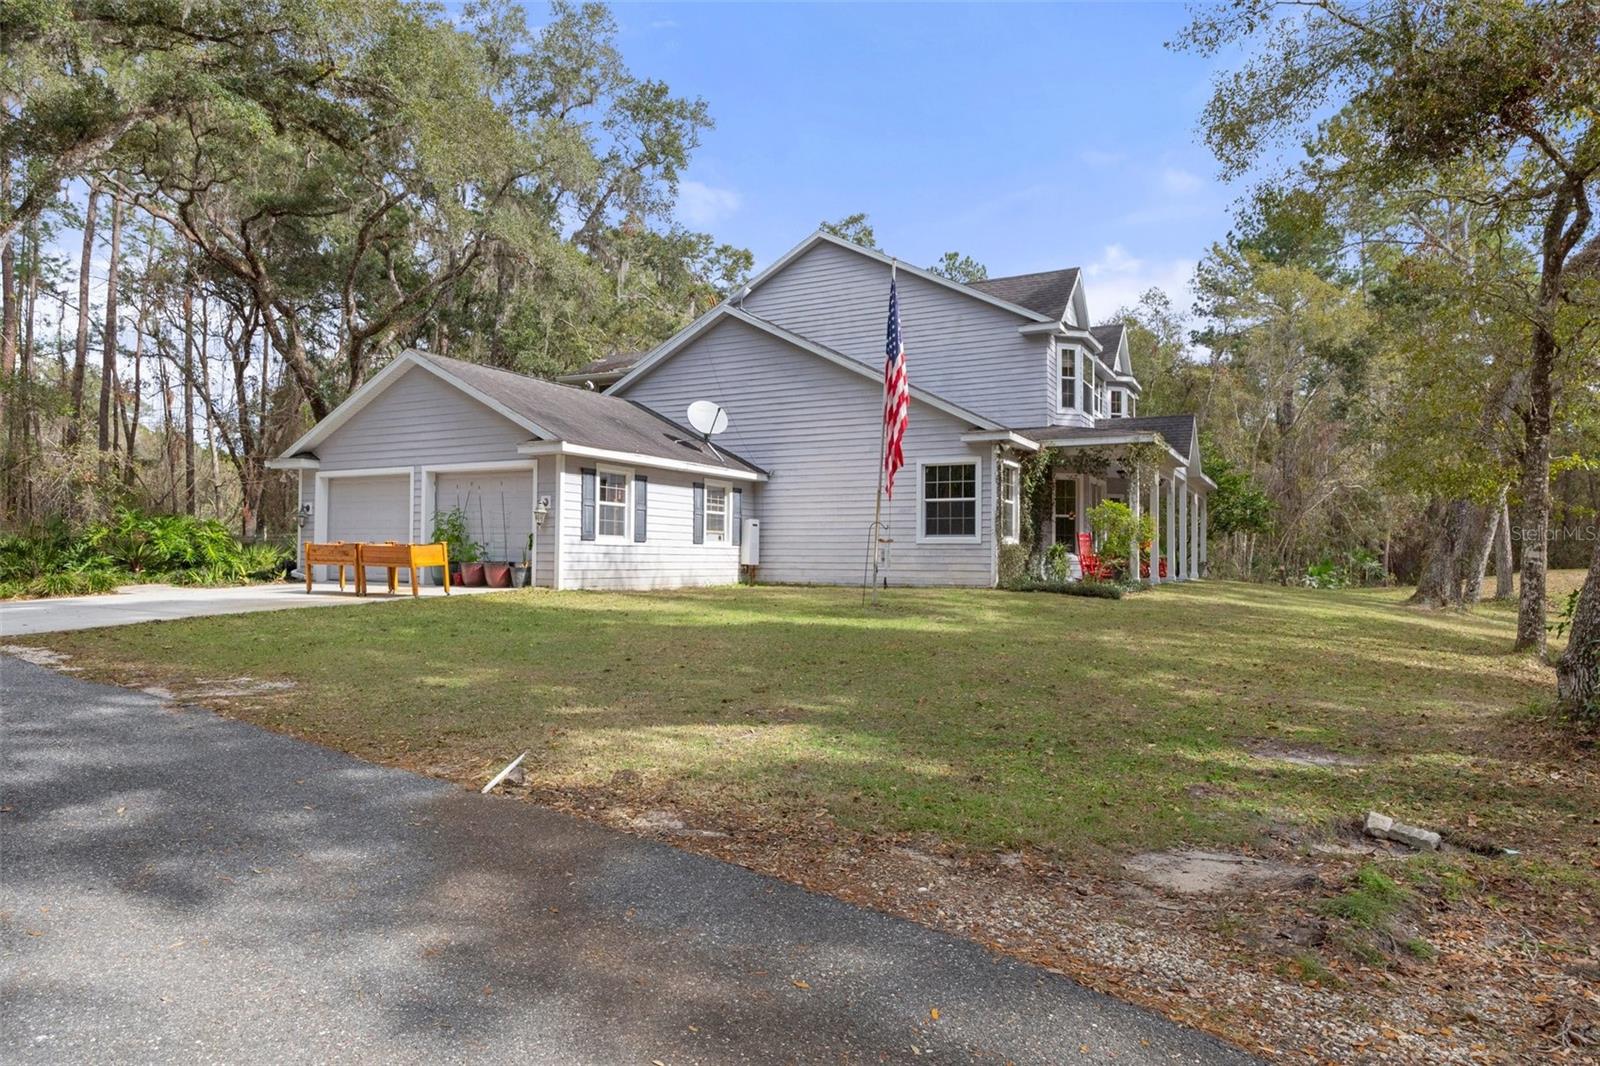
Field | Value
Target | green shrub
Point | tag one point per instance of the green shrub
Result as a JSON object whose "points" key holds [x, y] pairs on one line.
{"points": [[1103, 590], [1013, 562]]}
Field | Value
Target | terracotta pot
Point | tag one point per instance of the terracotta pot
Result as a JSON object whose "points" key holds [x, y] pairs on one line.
{"points": [[472, 573], [497, 575]]}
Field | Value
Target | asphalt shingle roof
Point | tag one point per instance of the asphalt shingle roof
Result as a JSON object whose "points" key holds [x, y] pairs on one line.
{"points": [[583, 416], [614, 363], [1046, 292], [1177, 430]]}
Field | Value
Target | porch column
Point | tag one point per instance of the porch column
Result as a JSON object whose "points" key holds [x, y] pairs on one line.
{"points": [[1194, 533], [1133, 502], [1172, 528], [1205, 520], [1155, 534], [1182, 544]]}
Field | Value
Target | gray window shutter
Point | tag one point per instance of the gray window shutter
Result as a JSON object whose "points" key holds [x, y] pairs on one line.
{"points": [[586, 513], [641, 486], [736, 514], [699, 512]]}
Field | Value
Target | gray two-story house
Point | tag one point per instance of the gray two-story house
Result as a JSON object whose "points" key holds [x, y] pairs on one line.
{"points": [[600, 482]]}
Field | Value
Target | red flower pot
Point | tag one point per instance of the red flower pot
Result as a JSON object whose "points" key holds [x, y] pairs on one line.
{"points": [[472, 573], [497, 575]]}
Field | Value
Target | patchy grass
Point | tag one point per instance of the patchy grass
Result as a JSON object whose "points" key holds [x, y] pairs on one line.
{"points": [[1371, 902], [988, 719]]}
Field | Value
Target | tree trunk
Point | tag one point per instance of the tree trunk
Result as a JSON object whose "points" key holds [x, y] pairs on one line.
{"points": [[108, 351], [1440, 581], [1536, 495], [8, 287], [24, 421], [1578, 672], [1503, 566], [188, 396], [211, 422], [1480, 545], [80, 357]]}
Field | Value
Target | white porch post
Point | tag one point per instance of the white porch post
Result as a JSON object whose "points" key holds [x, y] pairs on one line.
{"points": [[1133, 502], [1182, 544], [1155, 522], [1172, 528], [1204, 523], [1192, 545]]}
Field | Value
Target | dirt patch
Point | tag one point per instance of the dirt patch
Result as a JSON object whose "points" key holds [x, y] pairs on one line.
{"points": [[1205, 872], [39, 656], [1302, 754]]}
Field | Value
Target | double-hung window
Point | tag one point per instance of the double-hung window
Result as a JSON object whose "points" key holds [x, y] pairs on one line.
{"points": [[950, 501], [1069, 377], [1010, 502], [611, 505], [1116, 403], [716, 514]]}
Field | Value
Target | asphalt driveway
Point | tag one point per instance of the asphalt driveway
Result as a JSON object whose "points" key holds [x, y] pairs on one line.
{"points": [[153, 603], [178, 887]]}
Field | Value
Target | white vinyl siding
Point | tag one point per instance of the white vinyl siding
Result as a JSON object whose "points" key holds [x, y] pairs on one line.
{"points": [[815, 427], [668, 558], [957, 346]]}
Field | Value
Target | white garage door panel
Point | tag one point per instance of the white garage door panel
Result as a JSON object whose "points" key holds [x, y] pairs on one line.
{"points": [[370, 509], [498, 506]]}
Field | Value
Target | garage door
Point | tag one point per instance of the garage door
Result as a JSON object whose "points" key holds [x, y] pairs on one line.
{"points": [[370, 508], [498, 506]]}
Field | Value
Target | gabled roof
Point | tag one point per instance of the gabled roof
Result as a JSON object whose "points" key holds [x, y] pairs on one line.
{"points": [[1047, 292], [725, 311], [823, 237], [1109, 335], [545, 409]]}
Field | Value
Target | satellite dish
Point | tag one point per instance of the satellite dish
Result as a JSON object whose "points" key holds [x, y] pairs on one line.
{"points": [[707, 418]]}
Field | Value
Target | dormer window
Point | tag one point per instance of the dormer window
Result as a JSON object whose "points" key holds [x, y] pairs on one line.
{"points": [[1069, 378]]}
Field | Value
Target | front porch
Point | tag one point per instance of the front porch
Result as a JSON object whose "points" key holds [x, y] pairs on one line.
{"points": [[1141, 470]]}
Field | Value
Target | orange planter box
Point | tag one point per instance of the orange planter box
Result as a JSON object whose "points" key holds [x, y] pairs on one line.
{"points": [[336, 553], [394, 556]]}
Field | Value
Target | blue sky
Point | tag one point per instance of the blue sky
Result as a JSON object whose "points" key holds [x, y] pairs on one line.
{"points": [[1029, 136]]}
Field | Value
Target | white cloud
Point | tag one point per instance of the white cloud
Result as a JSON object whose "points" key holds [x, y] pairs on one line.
{"points": [[703, 205], [1180, 182], [1117, 279]]}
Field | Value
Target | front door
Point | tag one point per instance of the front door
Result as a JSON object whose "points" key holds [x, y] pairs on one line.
{"points": [[1066, 512]]}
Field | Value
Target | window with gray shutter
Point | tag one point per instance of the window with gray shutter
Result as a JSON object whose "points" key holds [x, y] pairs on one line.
{"points": [[699, 512], [640, 486], [586, 512]]}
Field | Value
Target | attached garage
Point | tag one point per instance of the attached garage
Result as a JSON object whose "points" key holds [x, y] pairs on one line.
{"points": [[366, 507], [498, 505]]}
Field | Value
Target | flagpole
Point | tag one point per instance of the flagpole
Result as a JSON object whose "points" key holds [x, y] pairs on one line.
{"points": [[873, 554]]}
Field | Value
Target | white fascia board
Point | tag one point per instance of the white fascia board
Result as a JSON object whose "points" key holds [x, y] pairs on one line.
{"points": [[1001, 436], [374, 387], [583, 451], [296, 462], [1059, 330], [887, 260]]}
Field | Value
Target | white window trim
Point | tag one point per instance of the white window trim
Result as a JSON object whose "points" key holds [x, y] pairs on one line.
{"points": [[977, 500], [1014, 509], [705, 514], [626, 473], [1063, 403]]}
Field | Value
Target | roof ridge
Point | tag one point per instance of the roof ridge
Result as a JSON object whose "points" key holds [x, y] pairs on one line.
{"points": [[1027, 274]]}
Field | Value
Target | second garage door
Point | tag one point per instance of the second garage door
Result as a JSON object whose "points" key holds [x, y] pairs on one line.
{"points": [[370, 509], [498, 506]]}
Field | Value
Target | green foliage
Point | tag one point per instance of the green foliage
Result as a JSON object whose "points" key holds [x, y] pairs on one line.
{"points": [[450, 528], [1057, 564], [1237, 504], [55, 560], [1013, 562], [1100, 590], [1358, 567], [853, 228], [1113, 524], [958, 267], [1371, 901]]}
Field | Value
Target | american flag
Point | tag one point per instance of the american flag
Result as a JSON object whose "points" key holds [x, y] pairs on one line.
{"points": [[896, 395]]}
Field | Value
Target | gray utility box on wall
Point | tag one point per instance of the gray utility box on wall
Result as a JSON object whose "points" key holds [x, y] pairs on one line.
{"points": [[750, 543]]}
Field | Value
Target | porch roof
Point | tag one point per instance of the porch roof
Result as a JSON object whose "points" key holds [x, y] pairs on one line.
{"points": [[1101, 436]]}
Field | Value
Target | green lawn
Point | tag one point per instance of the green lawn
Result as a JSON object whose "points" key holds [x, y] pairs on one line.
{"points": [[988, 719]]}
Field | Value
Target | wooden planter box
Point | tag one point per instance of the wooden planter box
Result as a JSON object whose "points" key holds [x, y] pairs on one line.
{"points": [[336, 553], [394, 557]]}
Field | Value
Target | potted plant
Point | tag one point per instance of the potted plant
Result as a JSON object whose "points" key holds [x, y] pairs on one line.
{"points": [[522, 573], [497, 575], [450, 528]]}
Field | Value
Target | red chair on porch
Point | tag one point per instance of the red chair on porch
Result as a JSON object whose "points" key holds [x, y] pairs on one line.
{"points": [[1093, 565]]}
